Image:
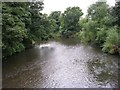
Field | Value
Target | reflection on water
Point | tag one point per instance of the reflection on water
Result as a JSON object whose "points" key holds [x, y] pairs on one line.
{"points": [[61, 64]]}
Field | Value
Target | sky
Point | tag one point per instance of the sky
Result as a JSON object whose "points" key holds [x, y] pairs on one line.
{"points": [[61, 5]]}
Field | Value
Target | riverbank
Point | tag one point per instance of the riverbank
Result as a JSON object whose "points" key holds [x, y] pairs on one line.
{"points": [[65, 40]]}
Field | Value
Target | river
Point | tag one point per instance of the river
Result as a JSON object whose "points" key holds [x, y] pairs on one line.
{"points": [[62, 63]]}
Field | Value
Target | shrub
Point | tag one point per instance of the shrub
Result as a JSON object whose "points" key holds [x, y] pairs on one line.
{"points": [[112, 42]]}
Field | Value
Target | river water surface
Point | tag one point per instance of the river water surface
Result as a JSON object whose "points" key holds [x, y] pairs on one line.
{"points": [[61, 64]]}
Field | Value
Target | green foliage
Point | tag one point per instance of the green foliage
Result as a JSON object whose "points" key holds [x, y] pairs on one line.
{"points": [[89, 30], [14, 31], [22, 24], [98, 11], [116, 13], [112, 41], [107, 21], [84, 36], [70, 24], [98, 27], [55, 18]]}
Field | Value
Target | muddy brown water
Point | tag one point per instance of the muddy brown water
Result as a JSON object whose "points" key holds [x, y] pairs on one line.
{"points": [[61, 64]]}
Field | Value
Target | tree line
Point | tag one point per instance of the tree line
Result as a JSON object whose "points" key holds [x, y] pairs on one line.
{"points": [[23, 24], [101, 27]]}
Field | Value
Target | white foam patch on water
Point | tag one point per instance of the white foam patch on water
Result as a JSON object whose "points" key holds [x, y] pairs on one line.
{"points": [[44, 45]]}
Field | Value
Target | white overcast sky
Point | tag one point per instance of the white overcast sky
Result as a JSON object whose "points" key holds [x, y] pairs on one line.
{"points": [[61, 5]]}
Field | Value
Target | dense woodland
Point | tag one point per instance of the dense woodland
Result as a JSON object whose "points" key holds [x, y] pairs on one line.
{"points": [[23, 24]]}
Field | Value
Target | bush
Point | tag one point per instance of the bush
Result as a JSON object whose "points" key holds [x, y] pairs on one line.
{"points": [[112, 42], [101, 36]]}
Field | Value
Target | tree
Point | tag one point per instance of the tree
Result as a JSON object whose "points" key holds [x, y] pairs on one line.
{"points": [[71, 18], [55, 17], [98, 28], [98, 11], [36, 20], [13, 28], [116, 13], [112, 42], [98, 18], [22, 24]]}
